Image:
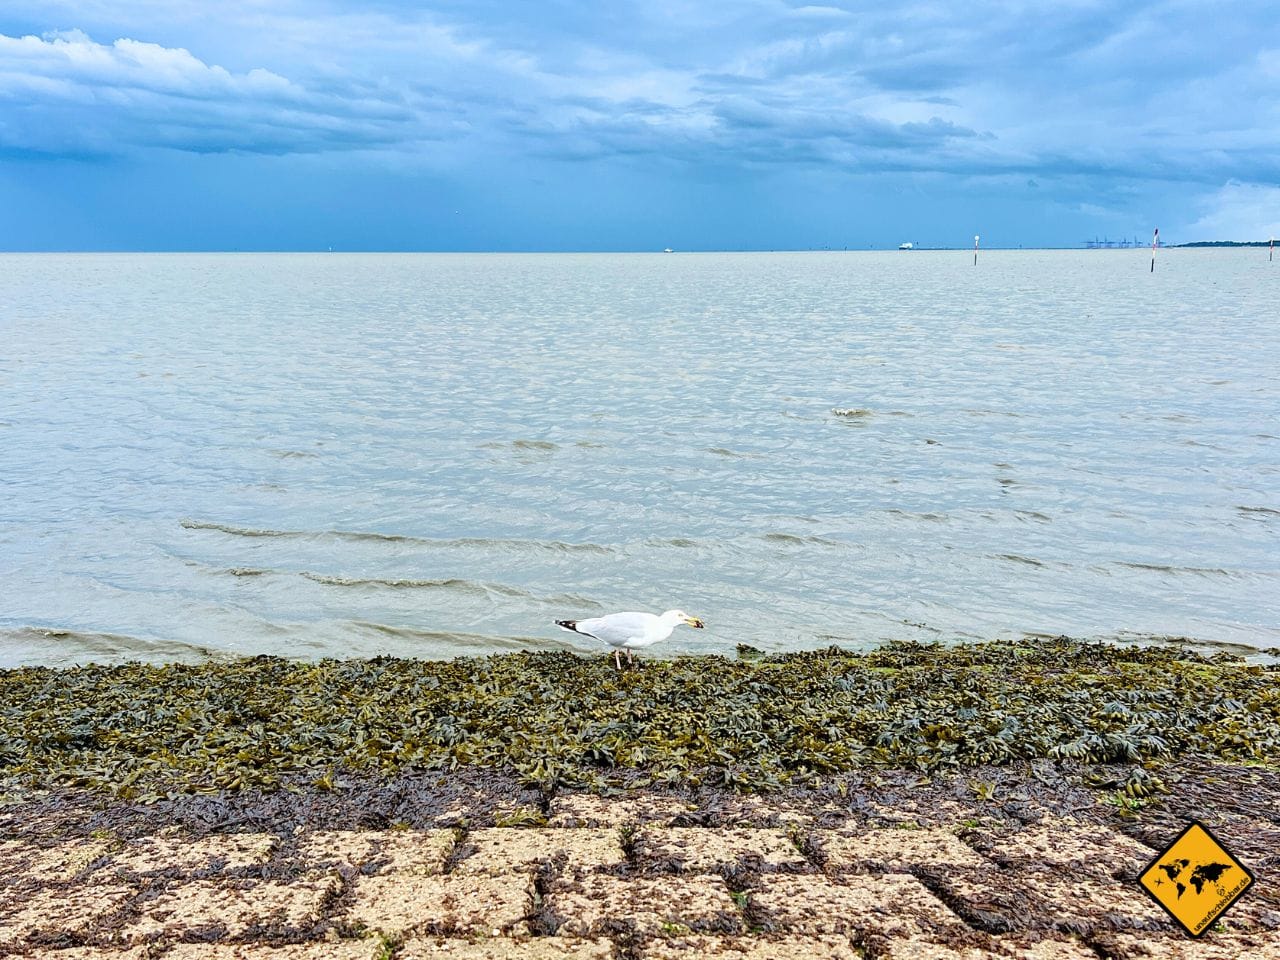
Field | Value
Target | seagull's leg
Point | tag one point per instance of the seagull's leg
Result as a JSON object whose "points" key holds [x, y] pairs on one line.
{"points": [[617, 659], [631, 658]]}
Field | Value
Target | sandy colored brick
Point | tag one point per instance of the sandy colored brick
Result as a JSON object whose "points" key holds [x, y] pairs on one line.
{"points": [[890, 904], [60, 862], [593, 904], [1212, 946], [422, 852], [400, 903], [505, 850], [896, 850], [60, 911], [930, 948], [1083, 903], [233, 851], [1082, 848], [540, 948], [926, 811], [750, 948], [367, 949], [589, 810], [99, 953], [696, 850], [232, 908]]}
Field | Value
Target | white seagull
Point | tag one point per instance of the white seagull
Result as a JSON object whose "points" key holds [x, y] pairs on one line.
{"points": [[629, 631]]}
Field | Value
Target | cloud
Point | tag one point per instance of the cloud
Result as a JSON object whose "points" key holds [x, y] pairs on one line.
{"points": [[64, 93], [1238, 211], [1055, 91]]}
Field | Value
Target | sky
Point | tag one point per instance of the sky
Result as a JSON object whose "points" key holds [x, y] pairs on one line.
{"points": [[566, 125]]}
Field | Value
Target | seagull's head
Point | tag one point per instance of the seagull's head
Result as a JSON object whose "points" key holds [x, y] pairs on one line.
{"points": [[679, 616]]}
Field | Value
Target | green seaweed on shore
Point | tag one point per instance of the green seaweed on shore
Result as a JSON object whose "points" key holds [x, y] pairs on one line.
{"points": [[146, 732]]}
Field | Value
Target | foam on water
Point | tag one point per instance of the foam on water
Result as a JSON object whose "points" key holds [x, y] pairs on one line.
{"points": [[425, 455]]}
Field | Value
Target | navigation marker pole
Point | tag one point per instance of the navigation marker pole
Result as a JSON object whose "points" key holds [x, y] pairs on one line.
{"points": [[1272, 254], [975, 249], [1155, 242]]}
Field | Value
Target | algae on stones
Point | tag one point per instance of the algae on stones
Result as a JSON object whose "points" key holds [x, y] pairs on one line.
{"points": [[145, 732]]}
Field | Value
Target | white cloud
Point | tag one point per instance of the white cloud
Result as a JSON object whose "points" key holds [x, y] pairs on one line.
{"points": [[1238, 211], [65, 93]]}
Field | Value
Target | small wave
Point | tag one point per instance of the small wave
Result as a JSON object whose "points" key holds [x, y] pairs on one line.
{"points": [[294, 454], [55, 645], [1259, 511], [682, 542], [357, 535], [545, 446], [245, 572], [1167, 568], [483, 641], [1032, 515], [931, 517], [732, 454], [451, 583], [792, 539], [1018, 558], [852, 413]]}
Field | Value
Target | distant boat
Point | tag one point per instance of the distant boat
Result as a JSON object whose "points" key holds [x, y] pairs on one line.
{"points": [[668, 250], [906, 246]]}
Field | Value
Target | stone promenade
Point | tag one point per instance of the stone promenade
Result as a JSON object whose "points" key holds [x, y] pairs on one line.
{"points": [[590, 878]]}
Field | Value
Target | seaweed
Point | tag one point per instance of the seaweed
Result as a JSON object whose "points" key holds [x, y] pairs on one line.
{"points": [[145, 733]]}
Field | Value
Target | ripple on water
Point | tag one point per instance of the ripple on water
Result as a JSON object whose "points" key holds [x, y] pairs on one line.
{"points": [[559, 546]]}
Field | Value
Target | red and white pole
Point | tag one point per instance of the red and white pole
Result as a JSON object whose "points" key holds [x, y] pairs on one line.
{"points": [[1155, 242], [975, 249]]}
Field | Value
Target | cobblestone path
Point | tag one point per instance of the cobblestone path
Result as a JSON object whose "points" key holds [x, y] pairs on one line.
{"points": [[595, 879]]}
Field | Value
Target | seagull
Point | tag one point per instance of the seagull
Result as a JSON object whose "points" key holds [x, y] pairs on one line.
{"points": [[629, 631]]}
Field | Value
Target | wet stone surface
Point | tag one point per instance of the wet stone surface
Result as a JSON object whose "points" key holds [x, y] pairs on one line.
{"points": [[879, 866]]}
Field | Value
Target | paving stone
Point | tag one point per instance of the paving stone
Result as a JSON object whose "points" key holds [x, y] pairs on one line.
{"points": [[44, 912], [929, 811], [1212, 946], [696, 850], [399, 903], [60, 862], [232, 908], [422, 852], [750, 948], [896, 850], [1083, 904], [1082, 848], [592, 904], [96, 953], [540, 948], [367, 949], [504, 849], [589, 810], [217, 853], [1004, 901], [988, 948], [888, 904], [988, 899]]}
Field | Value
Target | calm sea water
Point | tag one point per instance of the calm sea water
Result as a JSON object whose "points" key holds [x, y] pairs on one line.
{"points": [[432, 455]]}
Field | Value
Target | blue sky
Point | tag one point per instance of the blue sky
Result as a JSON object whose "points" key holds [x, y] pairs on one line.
{"points": [[483, 125]]}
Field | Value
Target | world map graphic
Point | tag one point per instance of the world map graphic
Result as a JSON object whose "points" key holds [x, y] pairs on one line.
{"points": [[1201, 873]]}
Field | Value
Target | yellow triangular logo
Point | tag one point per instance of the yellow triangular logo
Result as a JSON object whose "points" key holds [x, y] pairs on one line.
{"points": [[1195, 879]]}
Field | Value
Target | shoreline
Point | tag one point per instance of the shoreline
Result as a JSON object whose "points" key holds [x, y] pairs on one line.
{"points": [[757, 723], [546, 807]]}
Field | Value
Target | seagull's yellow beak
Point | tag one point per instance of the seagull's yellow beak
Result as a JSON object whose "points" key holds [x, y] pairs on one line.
{"points": [[694, 622]]}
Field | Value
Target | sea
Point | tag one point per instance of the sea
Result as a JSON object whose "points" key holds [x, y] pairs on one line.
{"points": [[333, 455]]}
